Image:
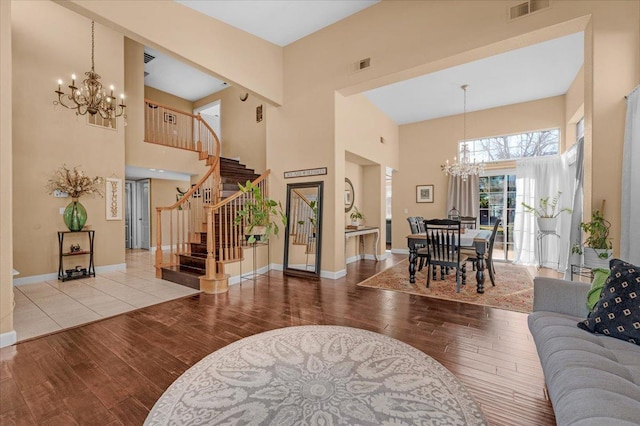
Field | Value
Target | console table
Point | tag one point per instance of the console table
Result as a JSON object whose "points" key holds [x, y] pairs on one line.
{"points": [[360, 233]]}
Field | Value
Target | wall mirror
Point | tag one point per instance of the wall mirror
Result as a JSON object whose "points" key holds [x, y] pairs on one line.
{"points": [[348, 195], [302, 243]]}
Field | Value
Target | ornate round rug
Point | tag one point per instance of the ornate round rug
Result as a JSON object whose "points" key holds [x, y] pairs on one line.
{"points": [[317, 375]]}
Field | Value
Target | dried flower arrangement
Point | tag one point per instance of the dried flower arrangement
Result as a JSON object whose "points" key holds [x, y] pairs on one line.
{"points": [[74, 182]]}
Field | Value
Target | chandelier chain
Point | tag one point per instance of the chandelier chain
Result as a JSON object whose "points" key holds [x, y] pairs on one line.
{"points": [[93, 45]]}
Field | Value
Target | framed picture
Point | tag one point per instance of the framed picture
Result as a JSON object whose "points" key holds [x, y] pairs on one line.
{"points": [[424, 193], [170, 118]]}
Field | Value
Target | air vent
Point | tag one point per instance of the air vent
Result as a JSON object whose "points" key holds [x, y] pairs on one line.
{"points": [[148, 58], [527, 8], [146, 73], [364, 64]]}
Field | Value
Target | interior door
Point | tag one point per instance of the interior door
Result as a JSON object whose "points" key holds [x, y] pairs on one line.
{"points": [[143, 213], [128, 228]]}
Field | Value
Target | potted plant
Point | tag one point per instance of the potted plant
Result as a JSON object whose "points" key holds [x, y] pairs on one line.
{"points": [[597, 245], [256, 214], [356, 217], [546, 213], [313, 219]]}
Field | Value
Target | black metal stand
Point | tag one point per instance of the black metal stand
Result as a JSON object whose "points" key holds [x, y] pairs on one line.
{"points": [[540, 237], [78, 271]]}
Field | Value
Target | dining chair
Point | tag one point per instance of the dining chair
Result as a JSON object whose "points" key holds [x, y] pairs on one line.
{"points": [[488, 256], [416, 224], [443, 244], [469, 222]]}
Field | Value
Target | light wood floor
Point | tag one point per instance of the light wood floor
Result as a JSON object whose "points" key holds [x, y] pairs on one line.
{"points": [[112, 371]]}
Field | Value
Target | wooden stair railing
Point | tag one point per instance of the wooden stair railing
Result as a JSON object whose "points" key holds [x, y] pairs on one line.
{"points": [[301, 211], [183, 220], [225, 238]]}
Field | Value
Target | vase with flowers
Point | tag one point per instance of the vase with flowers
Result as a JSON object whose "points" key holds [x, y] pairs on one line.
{"points": [[75, 183]]}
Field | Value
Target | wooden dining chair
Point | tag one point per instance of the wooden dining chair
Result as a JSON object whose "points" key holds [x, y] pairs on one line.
{"points": [[469, 222], [488, 256], [416, 224], [443, 244]]}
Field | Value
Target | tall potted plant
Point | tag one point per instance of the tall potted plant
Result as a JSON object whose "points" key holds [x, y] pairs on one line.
{"points": [[256, 213], [597, 245], [546, 213]]}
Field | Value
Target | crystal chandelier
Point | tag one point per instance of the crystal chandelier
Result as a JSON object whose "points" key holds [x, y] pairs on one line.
{"points": [[90, 97], [465, 167]]}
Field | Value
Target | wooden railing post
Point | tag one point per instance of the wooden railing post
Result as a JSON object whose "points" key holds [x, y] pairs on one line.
{"points": [[159, 256]]}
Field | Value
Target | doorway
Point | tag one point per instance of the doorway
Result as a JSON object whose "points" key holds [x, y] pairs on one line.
{"points": [[498, 201], [137, 215], [211, 114]]}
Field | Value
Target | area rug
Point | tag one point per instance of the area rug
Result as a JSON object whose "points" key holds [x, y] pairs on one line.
{"points": [[513, 290], [317, 375]]}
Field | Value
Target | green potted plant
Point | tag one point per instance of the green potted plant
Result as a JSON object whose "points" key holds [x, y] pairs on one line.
{"points": [[546, 213], [597, 245], [356, 217], [256, 214], [313, 219]]}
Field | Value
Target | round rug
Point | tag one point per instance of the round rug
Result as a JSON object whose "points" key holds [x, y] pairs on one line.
{"points": [[317, 375]]}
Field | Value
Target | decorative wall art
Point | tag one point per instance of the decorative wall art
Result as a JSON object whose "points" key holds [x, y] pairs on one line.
{"points": [[424, 193], [113, 198], [170, 118]]}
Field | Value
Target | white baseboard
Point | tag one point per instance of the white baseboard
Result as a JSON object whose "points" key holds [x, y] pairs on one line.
{"points": [[276, 266], [54, 275], [400, 251], [155, 248], [7, 339], [333, 275]]}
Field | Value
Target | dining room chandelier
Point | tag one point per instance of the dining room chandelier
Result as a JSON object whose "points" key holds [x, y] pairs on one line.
{"points": [[465, 167], [91, 97]]}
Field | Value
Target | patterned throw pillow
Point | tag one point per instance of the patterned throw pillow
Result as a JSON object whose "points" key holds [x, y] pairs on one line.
{"points": [[617, 313]]}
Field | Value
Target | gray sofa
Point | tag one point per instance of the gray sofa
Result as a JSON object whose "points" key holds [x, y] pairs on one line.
{"points": [[592, 379]]}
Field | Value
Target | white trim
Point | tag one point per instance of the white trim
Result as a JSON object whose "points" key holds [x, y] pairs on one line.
{"points": [[17, 282], [276, 266], [153, 249], [399, 251], [333, 275], [7, 339]]}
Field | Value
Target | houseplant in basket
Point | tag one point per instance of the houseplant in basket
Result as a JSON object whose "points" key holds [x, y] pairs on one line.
{"points": [[76, 184], [597, 245], [546, 213], [256, 213]]}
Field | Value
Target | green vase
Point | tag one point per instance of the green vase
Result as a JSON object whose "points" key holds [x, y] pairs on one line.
{"points": [[75, 216]]}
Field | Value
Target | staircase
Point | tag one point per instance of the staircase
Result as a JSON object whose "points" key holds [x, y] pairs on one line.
{"points": [[192, 266]]}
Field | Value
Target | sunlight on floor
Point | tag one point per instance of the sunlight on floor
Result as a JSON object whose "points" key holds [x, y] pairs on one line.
{"points": [[50, 306]]}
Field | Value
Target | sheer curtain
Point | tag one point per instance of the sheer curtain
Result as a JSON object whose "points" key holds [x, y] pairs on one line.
{"points": [[464, 195], [537, 178], [630, 205]]}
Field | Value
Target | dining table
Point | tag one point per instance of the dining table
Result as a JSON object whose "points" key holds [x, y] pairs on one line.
{"points": [[473, 238]]}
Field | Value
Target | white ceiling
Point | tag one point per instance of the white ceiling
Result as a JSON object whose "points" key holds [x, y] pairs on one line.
{"points": [[179, 79], [534, 72], [279, 21]]}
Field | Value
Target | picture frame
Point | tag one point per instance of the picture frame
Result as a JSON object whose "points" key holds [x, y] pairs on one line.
{"points": [[424, 193], [170, 118]]}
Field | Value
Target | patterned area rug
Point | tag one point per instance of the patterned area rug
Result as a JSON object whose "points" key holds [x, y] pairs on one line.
{"points": [[513, 290], [317, 375]]}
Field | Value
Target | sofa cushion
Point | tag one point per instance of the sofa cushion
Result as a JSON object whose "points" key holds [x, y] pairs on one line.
{"points": [[592, 379], [600, 276], [617, 313]]}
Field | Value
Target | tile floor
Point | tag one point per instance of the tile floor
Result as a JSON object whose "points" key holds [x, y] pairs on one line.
{"points": [[53, 305]]}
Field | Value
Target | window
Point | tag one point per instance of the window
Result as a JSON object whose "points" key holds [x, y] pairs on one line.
{"points": [[580, 129], [510, 147]]}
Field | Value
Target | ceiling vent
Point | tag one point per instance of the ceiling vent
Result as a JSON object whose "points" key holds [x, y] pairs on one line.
{"points": [[526, 8], [146, 73], [148, 58], [361, 65]]}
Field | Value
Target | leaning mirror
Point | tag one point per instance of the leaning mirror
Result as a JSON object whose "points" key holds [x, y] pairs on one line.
{"points": [[348, 195], [304, 229]]}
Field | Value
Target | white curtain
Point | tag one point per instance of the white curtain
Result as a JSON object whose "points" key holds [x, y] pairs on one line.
{"points": [[630, 205], [464, 195], [537, 178]]}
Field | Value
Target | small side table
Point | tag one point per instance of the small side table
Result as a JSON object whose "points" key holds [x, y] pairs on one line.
{"points": [[581, 271]]}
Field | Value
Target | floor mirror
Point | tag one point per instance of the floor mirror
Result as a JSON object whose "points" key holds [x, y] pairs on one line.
{"points": [[304, 229]]}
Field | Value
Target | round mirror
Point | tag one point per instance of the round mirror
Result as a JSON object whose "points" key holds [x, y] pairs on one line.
{"points": [[348, 195]]}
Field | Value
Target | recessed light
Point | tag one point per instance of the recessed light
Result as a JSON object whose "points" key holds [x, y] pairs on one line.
{"points": [[160, 171], [153, 170]]}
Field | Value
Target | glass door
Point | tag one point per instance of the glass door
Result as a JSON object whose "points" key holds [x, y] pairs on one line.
{"points": [[498, 200]]}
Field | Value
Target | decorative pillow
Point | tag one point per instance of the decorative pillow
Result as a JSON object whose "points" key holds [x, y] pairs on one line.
{"points": [[600, 276], [617, 313]]}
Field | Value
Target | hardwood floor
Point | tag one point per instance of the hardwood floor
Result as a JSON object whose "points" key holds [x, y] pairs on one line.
{"points": [[111, 372]]}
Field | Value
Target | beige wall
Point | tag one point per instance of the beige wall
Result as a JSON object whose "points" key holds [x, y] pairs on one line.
{"points": [[217, 48], [6, 230], [574, 108], [242, 136], [437, 140], [46, 136]]}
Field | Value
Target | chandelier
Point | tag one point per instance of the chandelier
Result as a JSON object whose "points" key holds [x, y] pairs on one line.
{"points": [[90, 97], [465, 167]]}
